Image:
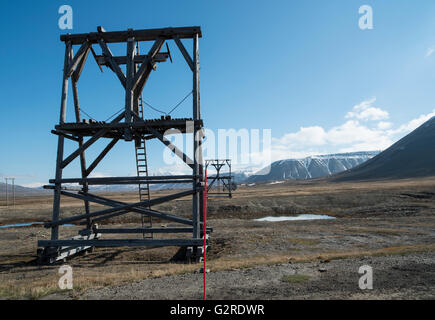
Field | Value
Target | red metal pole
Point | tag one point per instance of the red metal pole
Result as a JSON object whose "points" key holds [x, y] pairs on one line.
{"points": [[205, 231]]}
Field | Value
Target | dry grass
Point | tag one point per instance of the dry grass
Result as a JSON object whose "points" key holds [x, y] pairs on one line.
{"points": [[296, 278], [85, 279]]}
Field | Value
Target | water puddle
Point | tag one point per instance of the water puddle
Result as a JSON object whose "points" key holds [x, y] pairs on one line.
{"points": [[29, 224], [296, 218]]}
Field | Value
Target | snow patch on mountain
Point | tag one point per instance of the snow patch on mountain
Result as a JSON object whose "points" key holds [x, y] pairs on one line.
{"points": [[311, 167]]}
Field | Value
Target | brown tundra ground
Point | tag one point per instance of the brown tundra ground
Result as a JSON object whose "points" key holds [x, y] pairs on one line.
{"points": [[388, 225]]}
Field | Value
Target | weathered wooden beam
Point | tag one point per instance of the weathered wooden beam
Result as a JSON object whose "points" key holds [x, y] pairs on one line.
{"points": [[53, 254], [78, 58], [101, 156], [114, 66], [184, 53], [145, 68], [197, 202], [77, 73], [88, 143], [141, 210], [140, 35], [96, 59], [129, 90], [122, 243], [105, 180], [160, 57], [85, 232], [80, 142], [61, 141], [119, 208], [60, 133], [172, 147], [177, 125]]}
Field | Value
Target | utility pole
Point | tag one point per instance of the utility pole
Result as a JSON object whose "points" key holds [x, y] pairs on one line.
{"points": [[13, 191], [7, 191]]}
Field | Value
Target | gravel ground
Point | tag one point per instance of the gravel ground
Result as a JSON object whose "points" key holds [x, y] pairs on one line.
{"points": [[409, 276]]}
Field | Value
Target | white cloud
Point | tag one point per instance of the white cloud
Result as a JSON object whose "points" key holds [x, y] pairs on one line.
{"points": [[384, 125], [366, 112], [355, 134], [414, 123], [306, 135]]}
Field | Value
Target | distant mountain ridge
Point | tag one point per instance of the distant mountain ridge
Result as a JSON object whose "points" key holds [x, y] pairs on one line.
{"points": [[311, 167], [20, 190], [411, 157]]}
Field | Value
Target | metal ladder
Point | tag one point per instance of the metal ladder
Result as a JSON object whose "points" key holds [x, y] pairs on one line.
{"points": [[142, 171]]}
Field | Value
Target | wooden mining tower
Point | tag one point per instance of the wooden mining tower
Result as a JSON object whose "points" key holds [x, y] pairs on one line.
{"points": [[220, 185], [129, 125]]}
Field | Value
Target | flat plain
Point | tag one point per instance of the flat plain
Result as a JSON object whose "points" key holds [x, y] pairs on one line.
{"points": [[389, 225]]}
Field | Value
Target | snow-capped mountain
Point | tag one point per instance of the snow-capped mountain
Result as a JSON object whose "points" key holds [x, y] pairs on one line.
{"points": [[311, 167], [291, 169]]}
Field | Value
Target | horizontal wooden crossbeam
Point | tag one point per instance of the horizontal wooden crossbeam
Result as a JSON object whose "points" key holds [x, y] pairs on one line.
{"points": [[85, 232], [139, 35], [170, 126], [160, 57], [123, 243], [115, 180]]}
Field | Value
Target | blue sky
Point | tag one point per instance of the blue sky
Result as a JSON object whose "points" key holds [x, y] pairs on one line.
{"points": [[301, 68]]}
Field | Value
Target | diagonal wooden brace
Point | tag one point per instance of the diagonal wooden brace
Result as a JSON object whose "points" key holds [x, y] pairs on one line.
{"points": [[78, 58], [88, 143], [115, 67], [172, 147], [145, 68], [118, 207]]}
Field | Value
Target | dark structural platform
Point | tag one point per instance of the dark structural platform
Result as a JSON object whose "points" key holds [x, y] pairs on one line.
{"points": [[129, 125]]}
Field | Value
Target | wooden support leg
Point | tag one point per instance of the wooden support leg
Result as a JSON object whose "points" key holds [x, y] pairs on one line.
{"points": [[196, 147], [60, 145], [80, 142]]}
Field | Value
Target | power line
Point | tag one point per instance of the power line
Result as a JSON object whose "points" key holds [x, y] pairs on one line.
{"points": [[86, 114], [155, 109], [173, 109], [115, 114], [148, 104], [184, 99]]}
